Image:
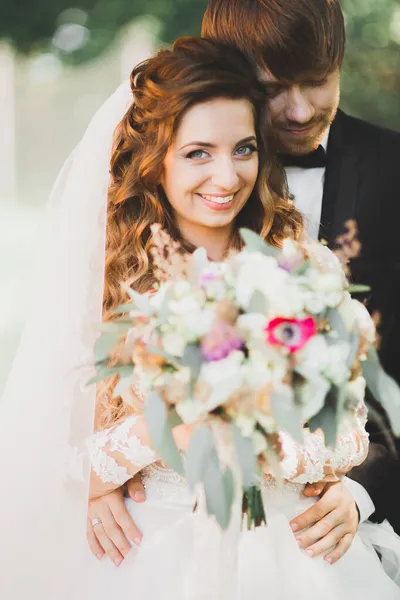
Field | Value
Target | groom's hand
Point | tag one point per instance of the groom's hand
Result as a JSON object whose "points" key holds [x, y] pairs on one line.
{"points": [[116, 527], [332, 522]]}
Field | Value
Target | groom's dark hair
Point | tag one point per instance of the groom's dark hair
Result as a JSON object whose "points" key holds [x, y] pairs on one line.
{"points": [[290, 38]]}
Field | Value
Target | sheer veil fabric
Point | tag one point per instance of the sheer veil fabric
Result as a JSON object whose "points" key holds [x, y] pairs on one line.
{"points": [[46, 408]]}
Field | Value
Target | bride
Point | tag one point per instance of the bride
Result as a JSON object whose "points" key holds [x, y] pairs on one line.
{"points": [[189, 154]]}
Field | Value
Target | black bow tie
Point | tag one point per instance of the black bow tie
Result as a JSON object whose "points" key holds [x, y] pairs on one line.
{"points": [[314, 160]]}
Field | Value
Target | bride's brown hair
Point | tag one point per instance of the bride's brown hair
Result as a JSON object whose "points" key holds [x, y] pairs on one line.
{"points": [[164, 87]]}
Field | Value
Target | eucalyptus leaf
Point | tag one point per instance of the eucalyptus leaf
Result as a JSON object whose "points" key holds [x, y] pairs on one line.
{"points": [[337, 324], [125, 308], [228, 482], [114, 327], [140, 300], [159, 352], [288, 414], [246, 457], [193, 359], [104, 345], [157, 418], [171, 454], [329, 416], [123, 384], [218, 503], [255, 244], [160, 432], [107, 372], [174, 419], [384, 389], [354, 341], [200, 448], [358, 289], [258, 303]]}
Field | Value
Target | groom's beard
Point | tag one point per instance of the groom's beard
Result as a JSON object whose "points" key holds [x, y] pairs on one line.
{"points": [[312, 133]]}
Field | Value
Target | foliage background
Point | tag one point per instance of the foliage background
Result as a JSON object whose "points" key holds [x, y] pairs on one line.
{"points": [[371, 75]]}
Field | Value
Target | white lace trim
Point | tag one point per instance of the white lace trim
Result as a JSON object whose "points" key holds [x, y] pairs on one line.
{"points": [[118, 439]]}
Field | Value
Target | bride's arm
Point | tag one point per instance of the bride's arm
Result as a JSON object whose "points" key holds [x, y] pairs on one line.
{"points": [[313, 461], [118, 453]]}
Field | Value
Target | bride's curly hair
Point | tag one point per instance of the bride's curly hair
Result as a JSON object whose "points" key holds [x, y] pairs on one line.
{"points": [[164, 87]]}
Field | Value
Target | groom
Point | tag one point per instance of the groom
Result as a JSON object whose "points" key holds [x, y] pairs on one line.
{"points": [[338, 168]]}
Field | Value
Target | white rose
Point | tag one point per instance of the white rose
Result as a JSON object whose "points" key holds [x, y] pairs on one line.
{"points": [[337, 370], [314, 356], [364, 322], [252, 325], [187, 304], [197, 323], [174, 343], [257, 273], [347, 312]]}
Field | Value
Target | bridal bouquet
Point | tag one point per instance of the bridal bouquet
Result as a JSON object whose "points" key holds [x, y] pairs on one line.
{"points": [[269, 340]]}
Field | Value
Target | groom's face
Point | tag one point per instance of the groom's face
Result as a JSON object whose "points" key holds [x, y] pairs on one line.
{"points": [[301, 111]]}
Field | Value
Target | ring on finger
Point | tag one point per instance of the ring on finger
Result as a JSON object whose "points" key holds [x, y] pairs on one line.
{"points": [[96, 521]]}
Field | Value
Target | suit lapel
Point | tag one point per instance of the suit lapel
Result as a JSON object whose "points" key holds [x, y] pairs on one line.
{"points": [[341, 182]]}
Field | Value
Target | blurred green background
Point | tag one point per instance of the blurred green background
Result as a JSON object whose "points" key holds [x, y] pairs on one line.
{"points": [[59, 61], [371, 76]]}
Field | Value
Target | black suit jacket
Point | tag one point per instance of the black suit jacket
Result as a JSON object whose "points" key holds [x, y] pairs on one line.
{"points": [[362, 182]]}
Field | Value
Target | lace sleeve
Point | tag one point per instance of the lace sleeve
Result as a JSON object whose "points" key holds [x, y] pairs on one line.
{"points": [[313, 461], [118, 453]]}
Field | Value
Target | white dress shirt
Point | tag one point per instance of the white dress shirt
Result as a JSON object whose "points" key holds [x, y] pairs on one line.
{"points": [[307, 187]]}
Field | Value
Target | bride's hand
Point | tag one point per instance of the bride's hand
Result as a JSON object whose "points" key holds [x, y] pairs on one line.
{"points": [[116, 527]]}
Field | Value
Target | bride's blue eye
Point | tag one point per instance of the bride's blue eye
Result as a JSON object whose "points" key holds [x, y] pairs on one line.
{"points": [[246, 150], [197, 154]]}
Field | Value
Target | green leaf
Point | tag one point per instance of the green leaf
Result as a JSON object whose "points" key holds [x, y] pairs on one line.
{"points": [[228, 482], [157, 418], [354, 340], [114, 327], [337, 324], [255, 244], [160, 432], [218, 501], [125, 308], [123, 384], [104, 345], [258, 303], [384, 389], [359, 289], [159, 352], [288, 414], [174, 419], [140, 301], [200, 447], [193, 359], [107, 372], [329, 416], [246, 457]]}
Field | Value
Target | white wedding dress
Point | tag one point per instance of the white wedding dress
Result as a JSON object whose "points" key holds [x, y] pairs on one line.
{"points": [[185, 556]]}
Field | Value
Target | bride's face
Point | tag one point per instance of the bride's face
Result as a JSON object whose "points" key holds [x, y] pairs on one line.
{"points": [[212, 165]]}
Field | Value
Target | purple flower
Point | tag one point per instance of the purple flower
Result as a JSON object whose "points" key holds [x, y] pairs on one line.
{"points": [[220, 342]]}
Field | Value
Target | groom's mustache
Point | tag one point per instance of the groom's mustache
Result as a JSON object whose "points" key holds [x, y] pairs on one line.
{"points": [[293, 125]]}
